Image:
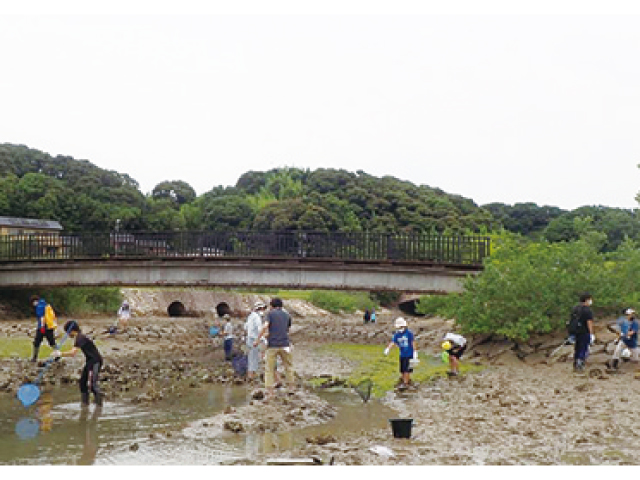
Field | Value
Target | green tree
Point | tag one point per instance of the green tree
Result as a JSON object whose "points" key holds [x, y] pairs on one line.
{"points": [[161, 215], [225, 212], [177, 191], [529, 287]]}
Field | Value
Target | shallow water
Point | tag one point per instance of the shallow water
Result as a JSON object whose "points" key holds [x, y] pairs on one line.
{"points": [[69, 434], [58, 431]]}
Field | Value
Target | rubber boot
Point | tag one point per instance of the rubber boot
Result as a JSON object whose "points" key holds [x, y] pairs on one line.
{"points": [[98, 399], [34, 358], [615, 363], [85, 399]]}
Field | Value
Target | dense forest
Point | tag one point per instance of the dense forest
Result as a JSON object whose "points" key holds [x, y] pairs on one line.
{"points": [[84, 197]]}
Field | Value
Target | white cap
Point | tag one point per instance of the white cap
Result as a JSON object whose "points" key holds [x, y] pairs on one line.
{"points": [[400, 322], [258, 305], [629, 311]]}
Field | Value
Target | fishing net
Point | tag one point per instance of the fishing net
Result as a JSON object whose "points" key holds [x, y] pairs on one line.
{"points": [[364, 389]]}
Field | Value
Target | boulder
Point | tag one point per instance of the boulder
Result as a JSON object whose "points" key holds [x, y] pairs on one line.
{"points": [[233, 426], [537, 358], [524, 349]]}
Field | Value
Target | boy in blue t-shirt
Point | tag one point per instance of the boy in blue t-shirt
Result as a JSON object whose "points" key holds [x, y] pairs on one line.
{"points": [[628, 338], [403, 338]]}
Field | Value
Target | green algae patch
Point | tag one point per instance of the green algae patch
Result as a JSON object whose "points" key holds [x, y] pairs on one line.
{"points": [[23, 348], [384, 371]]}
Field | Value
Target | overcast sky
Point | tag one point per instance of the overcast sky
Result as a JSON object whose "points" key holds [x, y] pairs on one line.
{"points": [[496, 108]]}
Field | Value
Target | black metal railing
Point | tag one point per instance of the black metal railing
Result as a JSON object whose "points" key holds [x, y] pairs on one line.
{"points": [[360, 246]]}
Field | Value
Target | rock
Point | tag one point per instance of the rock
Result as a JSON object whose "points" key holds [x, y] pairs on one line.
{"points": [[134, 447], [321, 439], [477, 340], [536, 358], [382, 451], [524, 349], [233, 426]]}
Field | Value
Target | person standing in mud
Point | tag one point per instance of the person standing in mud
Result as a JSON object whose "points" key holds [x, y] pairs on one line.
{"points": [[228, 337], [583, 331], [124, 314], [628, 339], [403, 338], [276, 328], [367, 316], [253, 327], [46, 327], [89, 380]]}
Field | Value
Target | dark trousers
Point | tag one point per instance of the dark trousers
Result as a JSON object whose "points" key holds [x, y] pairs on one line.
{"points": [[228, 346], [581, 347], [90, 378], [49, 334]]}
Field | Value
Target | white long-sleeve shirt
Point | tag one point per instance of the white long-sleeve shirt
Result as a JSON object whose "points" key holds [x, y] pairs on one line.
{"points": [[253, 326]]}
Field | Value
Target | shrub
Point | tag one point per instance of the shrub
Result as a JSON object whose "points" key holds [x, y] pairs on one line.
{"points": [[341, 302], [529, 287], [68, 301]]}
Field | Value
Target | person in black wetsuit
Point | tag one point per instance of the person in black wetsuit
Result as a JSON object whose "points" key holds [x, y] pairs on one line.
{"points": [[89, 380]]}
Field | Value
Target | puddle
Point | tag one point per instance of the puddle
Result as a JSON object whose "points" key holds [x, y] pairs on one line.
{"points": [[58, 431], [69, 435]]}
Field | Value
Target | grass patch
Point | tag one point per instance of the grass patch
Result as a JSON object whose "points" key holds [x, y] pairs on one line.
{"points": [[292, 294], [23, 348], [383, 370], [341, 302], [333, 301]]}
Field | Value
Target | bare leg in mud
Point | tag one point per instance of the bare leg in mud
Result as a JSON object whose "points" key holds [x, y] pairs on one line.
{"points": [[454, 365]]}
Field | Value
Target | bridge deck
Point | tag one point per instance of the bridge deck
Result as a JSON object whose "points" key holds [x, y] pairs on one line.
{"points": [[285, 260]]}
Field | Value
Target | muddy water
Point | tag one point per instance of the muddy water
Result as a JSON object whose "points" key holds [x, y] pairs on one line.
{"points": [[68, 434], [58, 431]]}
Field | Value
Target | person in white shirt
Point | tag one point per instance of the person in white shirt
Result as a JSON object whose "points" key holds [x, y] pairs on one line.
{"points": [[454, 345], [124, 314], [227, 331], [253, 327]]}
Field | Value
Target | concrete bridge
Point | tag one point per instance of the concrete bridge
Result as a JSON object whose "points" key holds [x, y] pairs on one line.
{"points": [[418, 263], [225, 272]]}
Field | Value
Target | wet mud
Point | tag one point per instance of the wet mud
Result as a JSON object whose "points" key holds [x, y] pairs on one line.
{"points": [[524, 408]]}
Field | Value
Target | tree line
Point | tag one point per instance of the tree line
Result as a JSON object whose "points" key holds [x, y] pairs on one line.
{"points": [[84, 197]]}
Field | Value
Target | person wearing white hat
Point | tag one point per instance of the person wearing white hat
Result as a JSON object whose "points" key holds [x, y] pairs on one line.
{"points": [[628, 339], [253, 327], [403, 338]]}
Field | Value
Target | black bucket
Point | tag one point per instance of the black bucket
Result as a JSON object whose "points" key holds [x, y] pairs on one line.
{"points": [[401, 427]]}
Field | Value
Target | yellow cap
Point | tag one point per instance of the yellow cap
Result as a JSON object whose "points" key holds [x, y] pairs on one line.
{"points": [[446, 345]]}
